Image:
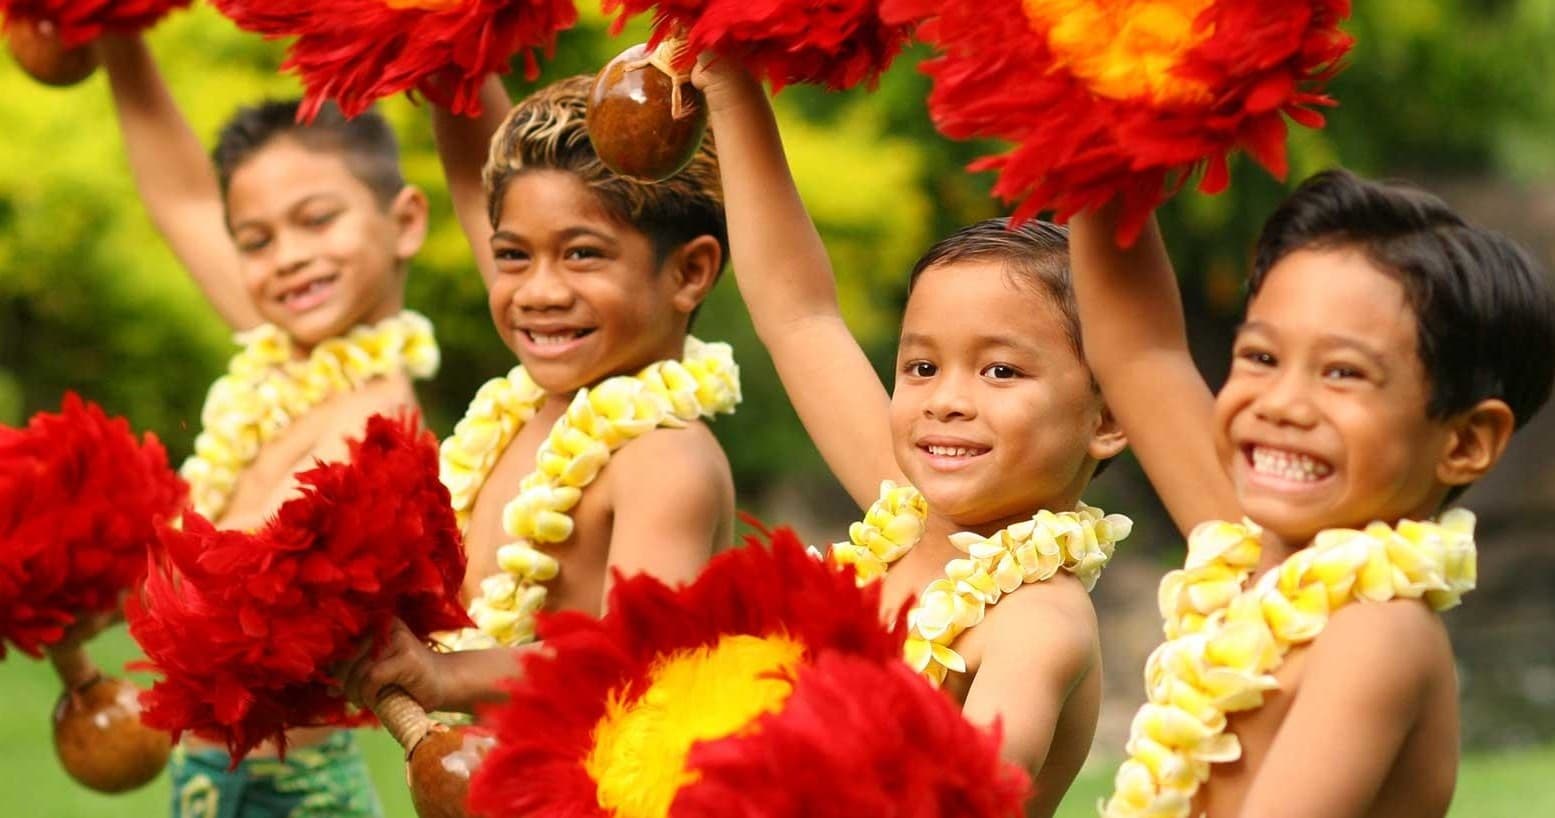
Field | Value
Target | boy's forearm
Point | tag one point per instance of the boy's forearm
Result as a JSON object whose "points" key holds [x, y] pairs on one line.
{"points": [[174, 177], [1128, 298], [463, 144], [165, 156], [475, 678], [780, 264]]}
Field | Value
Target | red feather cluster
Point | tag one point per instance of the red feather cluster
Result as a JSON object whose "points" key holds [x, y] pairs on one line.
{"points": [[245, 628], [80, 501], [860, 734], [839, 44], [358, 51], [1254, 62], [82, 21]]}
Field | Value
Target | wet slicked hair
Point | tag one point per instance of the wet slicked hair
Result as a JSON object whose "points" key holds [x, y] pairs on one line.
{"points": [[1034, 255], [366, 143], [1484, 314], [546, 131]]}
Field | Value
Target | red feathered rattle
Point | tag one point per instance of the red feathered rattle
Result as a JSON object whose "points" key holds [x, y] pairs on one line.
{"points": [[767, 688], [1123, 99], [245, 628], [80, 501], [50, 38], [645, 119], [358, 51]]}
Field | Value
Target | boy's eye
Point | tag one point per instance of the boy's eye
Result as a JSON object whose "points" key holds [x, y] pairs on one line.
{"points": [[252, 244], [509, 254], [583, 253], [1341, 372], [320, 219], [1257, 357], [920, 369], [1000, 372]]}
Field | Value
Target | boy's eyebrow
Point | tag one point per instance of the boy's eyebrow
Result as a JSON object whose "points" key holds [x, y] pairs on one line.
{"points": [[982, 341], [233, 227], [1329, 339], [569, 233]]}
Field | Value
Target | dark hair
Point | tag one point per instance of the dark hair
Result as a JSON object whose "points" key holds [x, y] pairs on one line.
{"points": [[366, 142], [1036, 254], [547, 131], [1484, 314]]}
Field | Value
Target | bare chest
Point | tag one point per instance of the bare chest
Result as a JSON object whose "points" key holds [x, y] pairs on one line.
{"points": [[902, 586], [255, 496], [580, 583]]}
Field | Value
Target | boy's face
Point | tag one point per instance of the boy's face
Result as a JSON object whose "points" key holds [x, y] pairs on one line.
{"points": [[318, 252], [578, 296], [1322, 421], [993, 416]]}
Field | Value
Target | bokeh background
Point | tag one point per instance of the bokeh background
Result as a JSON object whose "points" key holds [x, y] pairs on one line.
{"points": [[1453, 95]]}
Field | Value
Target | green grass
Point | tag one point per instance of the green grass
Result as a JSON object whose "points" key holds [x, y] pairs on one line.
{"points": [[1510, 784]]}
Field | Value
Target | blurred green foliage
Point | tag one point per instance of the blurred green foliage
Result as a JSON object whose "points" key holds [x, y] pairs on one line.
{"points": [[91, 300]]}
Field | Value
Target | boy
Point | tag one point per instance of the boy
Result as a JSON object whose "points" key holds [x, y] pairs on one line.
{"points": [[1388, 353], [301, 236], [592, 278], [993, 419]]}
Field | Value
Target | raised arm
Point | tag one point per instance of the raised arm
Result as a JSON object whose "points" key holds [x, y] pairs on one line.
{"points": [[786, 280], [1136, 343], [175, 178], [462, 145]]}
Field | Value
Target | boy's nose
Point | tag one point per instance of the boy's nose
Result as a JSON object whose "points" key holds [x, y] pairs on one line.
{"points": [[948, 399], [543, 289], [1287, 401]]}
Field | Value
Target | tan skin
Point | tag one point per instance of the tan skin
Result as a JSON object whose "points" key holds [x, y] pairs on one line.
{"points": [[293, 217], [1325, 367], [985, 365], [562, 267]]}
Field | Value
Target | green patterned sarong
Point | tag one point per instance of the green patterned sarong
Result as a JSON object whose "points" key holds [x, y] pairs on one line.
{"points": [[325, 780]]}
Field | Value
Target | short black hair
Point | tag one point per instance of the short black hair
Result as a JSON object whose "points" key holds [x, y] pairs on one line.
{"points": [[366, 142], [1034, 253], [1484, 313]]}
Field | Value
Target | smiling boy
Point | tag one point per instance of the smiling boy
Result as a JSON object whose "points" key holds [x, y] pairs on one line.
{"points": [[593, 457], [301, 238], [993, 430], [1388, 352]]}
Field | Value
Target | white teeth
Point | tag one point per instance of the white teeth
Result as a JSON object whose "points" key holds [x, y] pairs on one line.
{"points": [[552, 339], [952, 451], [1289, 465]]}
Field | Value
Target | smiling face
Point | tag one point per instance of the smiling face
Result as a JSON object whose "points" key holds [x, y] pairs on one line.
{"points": [[578, 296], [993, 416], [318, 252], [1322, 422]]}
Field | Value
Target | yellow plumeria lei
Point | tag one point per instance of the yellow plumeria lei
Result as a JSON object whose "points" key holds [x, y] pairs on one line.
{"points": [[1079, 541], [267, 387], [1224, 642], [599, 420]]}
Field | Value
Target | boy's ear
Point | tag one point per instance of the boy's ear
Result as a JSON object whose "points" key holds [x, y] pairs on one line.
{"points": [[1475, 441], [409, 212], [694, 268], [1108, 440]]}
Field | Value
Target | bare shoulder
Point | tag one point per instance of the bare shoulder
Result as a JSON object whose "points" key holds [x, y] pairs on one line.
{"points": [[675, 456], [1050, 623], [1398, 644]]}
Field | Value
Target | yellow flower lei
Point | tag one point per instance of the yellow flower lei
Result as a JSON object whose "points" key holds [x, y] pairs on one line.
{"points": [[1079, 541], [266, 387], [599, 420], [1224, 642]]}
